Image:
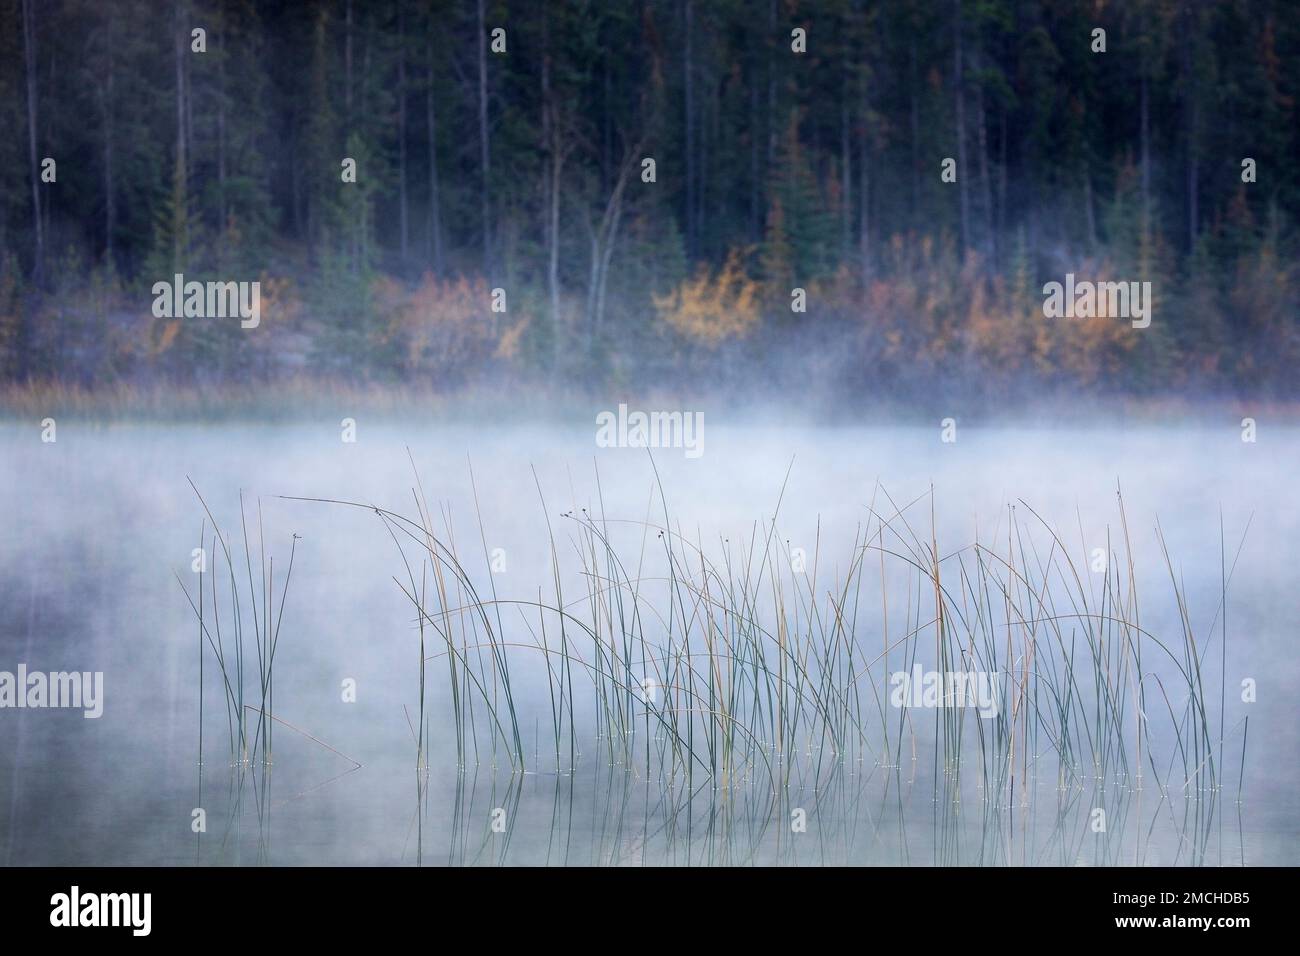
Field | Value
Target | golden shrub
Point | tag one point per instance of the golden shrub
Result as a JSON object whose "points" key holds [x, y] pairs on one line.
{"points": [[712, 308]]}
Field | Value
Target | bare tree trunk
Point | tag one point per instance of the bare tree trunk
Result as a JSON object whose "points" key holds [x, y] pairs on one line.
{"points": [[755, 175], [186, 61], [553, 241], [1146, 153], [106, 107], [1190, 119], [986, 190], [485, 156], [602, 244], [1002, 172], [771, 84], [435, 212], [958, 82], [704, 137], [1089, 215], [864, 189], [403, 212], [689, 83], [222, 209], [29, 54], [846, 159], [914, 118], [554, 163], [347, 67], [179, 173]]}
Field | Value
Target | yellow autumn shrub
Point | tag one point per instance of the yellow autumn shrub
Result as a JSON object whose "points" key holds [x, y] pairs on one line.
{"points": [[712, 308]]}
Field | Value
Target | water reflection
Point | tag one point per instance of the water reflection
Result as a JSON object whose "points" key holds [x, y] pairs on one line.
{"points": [[606, 815]]}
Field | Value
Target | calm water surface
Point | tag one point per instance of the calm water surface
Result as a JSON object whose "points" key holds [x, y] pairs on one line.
{"points": [[99, 525]]}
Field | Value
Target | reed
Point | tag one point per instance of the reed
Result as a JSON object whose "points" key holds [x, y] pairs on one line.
{"points": [[733, 666], [252, 607]]}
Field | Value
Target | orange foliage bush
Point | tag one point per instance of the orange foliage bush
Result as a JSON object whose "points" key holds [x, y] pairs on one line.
{"points": [[444, 324]]}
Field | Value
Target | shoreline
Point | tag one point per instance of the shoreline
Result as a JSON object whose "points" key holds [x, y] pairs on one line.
{"points": [[295, 401]]}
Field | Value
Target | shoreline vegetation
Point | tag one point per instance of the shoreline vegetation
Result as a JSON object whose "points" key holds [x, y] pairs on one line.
{"points": [[301, 400], [629, 200]]}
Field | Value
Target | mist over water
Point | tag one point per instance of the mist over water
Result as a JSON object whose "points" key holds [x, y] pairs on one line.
{"points": [[100, 525]]}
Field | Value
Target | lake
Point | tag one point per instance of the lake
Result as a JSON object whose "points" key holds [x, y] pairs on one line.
{"points": [[718, 688]]}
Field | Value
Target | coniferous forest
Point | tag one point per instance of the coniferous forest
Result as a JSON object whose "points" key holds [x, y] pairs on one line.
{"points": [[859, 199]]}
